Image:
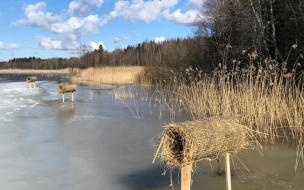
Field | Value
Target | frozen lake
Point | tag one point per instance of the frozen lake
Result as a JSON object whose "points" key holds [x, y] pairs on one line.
{"points": [[97, 142]]}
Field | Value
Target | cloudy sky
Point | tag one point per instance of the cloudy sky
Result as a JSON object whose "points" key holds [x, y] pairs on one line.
{"points": [[55, 28]]}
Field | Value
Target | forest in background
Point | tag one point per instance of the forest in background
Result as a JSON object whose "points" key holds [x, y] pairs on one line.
{"points": [[268, 29]]}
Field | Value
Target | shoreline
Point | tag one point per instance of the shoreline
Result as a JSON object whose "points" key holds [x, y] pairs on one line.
{"points": [[36, 71]]}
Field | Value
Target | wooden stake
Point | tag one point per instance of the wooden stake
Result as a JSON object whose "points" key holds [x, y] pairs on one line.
{"points": [[30, 85], [228, 176], [186, 177], [62, 98], [34, 85], [72, 97]]}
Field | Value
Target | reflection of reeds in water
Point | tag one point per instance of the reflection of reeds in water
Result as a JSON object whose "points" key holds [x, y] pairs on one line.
{"points": [[123, 94], [110, 75], [66, 112]]}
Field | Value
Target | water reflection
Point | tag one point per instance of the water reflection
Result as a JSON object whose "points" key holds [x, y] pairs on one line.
{"points": [[66, 111], [60, 77]]}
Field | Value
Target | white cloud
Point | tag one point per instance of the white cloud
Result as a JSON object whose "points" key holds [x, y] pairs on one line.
{"points": [[117, 39], [146, 11], [5, 46], [189, 17], [75, 25], [152, 10], [48, 43], [196, 4], [71, 29], [159, 39], [81, 7], [95, 45], [60, 44], [36, 16]]}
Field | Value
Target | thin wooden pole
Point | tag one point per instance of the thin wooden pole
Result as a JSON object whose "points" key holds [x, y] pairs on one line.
{"points": [[186, 177], [62, 97], [30, 85], [72, 97], [228, 176], [34, 85]]}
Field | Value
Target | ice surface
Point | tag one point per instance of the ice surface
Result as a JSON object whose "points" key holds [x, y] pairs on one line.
{"points": [[15, 96]]}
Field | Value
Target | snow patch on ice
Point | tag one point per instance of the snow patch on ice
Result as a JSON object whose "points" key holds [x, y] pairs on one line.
{"points": [[15, 96]]}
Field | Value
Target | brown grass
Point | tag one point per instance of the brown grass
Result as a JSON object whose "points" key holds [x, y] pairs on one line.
{"points": [[110, 75], [29, 71]]}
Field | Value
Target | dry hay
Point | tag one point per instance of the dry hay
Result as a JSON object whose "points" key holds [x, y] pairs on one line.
{"points": [[31, 79], [187, 142], [65, 88]]}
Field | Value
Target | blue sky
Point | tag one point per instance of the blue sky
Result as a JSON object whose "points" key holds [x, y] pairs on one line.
{"points": [[56, 28]]}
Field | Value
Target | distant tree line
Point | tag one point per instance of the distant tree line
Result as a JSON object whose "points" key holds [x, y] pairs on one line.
{"points": [[176, 54], [38, 63]]}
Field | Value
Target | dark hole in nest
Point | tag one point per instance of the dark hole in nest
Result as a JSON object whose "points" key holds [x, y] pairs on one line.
{"points": [[177, 147], [28, 78]]}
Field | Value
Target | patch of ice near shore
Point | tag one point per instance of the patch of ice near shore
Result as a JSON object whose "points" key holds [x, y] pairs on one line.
{"points": [[15, 96], [88, 118]]}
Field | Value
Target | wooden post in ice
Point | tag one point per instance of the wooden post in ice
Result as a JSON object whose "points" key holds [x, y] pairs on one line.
{"points": [[72, 96], [228, 176], [186, 177], [34, 84], [62, 97]]}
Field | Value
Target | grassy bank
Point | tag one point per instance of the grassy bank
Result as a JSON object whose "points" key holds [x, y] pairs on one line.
{"points": [[110, 75]]}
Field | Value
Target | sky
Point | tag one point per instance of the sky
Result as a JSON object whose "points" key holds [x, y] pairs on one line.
{"points": [[57, 28]]}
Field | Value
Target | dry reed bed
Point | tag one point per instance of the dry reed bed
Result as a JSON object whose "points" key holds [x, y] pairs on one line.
{"points": [[110, 75], [269, 99], [254, 103]]}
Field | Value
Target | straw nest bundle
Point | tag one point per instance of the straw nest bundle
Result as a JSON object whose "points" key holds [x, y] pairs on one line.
{"points": [[65, 88], [31, 79], [187, 142]]}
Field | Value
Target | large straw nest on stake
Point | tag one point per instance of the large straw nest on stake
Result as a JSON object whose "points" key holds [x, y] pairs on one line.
{"points": [[65, 88], [31, 79], [187, 142]]}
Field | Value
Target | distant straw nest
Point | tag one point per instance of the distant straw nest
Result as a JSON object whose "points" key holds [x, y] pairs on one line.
{"points": [[31, 79], [187, 142], [66, 88]]}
